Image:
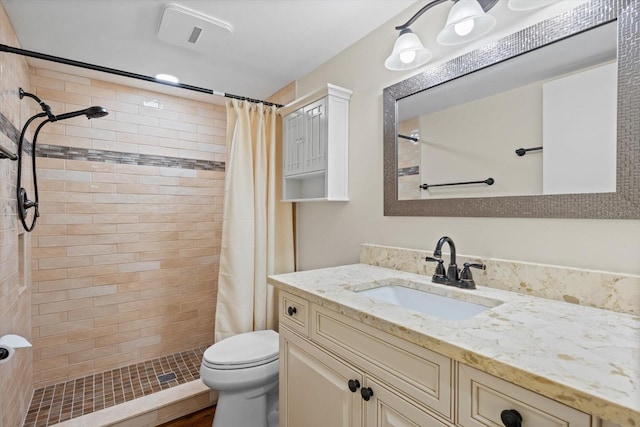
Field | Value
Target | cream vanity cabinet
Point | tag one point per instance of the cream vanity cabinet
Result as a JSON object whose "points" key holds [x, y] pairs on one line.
{"points": [[338, 372], [315, 149]]}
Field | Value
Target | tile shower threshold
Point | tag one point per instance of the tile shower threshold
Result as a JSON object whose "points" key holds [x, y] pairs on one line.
{"points": [[109, 397], [142, 412]]}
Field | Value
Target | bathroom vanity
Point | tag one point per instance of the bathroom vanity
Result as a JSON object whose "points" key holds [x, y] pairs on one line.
{"points": [[352, 359]]}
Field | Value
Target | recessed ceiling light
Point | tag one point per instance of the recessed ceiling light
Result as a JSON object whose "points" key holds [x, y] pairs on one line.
{"points": [[167, 78]]}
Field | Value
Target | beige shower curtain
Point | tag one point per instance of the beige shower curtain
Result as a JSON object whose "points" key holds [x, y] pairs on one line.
{"points": [[257, 229]]}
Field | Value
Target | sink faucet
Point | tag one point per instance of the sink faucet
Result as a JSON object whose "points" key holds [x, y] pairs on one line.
{"points": [[452, 270], [453, 277]]}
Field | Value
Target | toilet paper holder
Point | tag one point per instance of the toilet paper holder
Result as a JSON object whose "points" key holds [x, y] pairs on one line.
{"points": [[8, 344]]}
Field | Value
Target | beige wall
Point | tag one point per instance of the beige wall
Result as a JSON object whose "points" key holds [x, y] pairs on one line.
{"points": [[125, 256], [15, 246], [285, 95], [479, 138], [330, 233]]}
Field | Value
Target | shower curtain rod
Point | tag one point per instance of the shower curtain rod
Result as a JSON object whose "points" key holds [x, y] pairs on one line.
{"points": [[32, 54]]}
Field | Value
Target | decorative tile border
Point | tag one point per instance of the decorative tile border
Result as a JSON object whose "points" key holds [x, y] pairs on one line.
{"points": [[609, 291], [411, 170], [70, 153], [91, 155], [8, 129]]}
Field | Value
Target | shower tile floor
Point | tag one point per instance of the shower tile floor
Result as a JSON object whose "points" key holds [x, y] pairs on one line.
{"points": [[60, 402]]}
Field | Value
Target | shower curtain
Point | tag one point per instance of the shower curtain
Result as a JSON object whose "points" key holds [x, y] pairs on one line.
{"points": [[257, 229]]}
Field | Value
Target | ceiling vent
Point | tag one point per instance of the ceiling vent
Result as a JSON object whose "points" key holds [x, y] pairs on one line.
{"points": [[189, 28]]}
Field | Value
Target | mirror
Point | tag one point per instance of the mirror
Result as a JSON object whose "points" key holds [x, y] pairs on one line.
{"points": [[560, 99], [521, 128]]}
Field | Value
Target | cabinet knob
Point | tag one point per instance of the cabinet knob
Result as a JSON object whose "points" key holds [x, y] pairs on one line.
{"points": [[354, 385], [291, 311], [511, 418], [366, 393]]}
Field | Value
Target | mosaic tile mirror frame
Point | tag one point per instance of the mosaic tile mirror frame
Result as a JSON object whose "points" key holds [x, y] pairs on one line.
{"points": [[622, 204]]}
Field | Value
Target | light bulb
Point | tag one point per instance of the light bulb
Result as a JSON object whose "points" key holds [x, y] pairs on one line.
{"points": [[465, 27], [408, 56]]}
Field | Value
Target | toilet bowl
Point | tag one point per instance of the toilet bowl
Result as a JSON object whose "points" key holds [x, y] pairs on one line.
{"points": [[244, 370]]}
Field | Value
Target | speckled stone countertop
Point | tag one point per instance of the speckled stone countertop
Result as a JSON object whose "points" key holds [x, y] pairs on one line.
{"points": [[584, 357]]}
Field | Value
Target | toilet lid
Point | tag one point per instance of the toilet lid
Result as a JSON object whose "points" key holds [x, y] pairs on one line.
{"points": [[243, 350]]}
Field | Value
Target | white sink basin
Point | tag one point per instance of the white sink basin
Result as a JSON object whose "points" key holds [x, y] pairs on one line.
{"points": [[426, 302]]}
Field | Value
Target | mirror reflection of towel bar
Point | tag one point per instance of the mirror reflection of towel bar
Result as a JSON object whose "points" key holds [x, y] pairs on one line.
{"points": [[488, 181], [410, 138], [522, 151]]}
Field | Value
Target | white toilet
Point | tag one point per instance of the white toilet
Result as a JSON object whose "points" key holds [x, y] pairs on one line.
{"points": [[244, 370]]}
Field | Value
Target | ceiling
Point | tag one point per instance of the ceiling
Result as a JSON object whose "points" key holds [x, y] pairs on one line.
{"points": [[273, 43]]}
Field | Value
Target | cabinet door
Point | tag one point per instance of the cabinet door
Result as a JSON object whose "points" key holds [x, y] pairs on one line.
{"points": [[314, 389], [388, 409], [421, 374], [293, 157], [315, 158]]}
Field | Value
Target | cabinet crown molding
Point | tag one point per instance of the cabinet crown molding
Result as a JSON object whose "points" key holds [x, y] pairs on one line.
{"points": [[329, 89]]}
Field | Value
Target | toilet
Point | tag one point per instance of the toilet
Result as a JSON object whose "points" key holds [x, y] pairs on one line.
{"points": [[243, 369]]}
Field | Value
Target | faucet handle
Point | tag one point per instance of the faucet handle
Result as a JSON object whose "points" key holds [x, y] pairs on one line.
{"points": [[478, 265], [439, 268], [467, 277]]}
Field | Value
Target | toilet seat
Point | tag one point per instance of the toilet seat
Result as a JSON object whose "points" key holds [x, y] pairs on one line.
{"points": [[242, 351]]}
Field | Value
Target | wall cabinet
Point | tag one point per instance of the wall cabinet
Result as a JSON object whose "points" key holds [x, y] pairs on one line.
{"points": [[336, 371], [315, 146]]}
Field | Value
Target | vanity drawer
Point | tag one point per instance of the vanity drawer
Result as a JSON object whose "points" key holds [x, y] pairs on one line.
{"points": [[418, 373], [483, 397], [294, 313]]}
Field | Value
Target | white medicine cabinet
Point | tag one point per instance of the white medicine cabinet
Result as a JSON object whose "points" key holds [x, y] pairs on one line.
{"points": [[315, 146]]}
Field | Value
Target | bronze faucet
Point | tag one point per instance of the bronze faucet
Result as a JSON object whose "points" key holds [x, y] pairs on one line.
{"points": [[453, 276]]}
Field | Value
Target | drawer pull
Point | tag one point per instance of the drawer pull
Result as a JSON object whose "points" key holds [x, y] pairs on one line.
{"points": [[354, 385], [511, 418], [366, 393], [291, 311]]}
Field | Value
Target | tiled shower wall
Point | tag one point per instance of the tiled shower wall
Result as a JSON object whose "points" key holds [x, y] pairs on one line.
{"points": [[15, 248], [126, 251]]}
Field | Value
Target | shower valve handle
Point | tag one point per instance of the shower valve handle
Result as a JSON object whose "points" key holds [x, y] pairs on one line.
{"points": [[28, 204]]}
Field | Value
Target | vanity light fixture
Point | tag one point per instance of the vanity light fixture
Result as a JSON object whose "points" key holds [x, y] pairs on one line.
{"points": [[467, 21]]}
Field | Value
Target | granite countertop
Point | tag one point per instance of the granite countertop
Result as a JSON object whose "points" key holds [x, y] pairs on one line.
{"points": [[584, 357]]}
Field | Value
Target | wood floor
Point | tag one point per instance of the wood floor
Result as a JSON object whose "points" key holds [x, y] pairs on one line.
{"points": [[202, 418]]}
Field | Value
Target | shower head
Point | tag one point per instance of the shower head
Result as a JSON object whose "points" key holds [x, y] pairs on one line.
{"points": [[94, 112], [24, 204]]}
